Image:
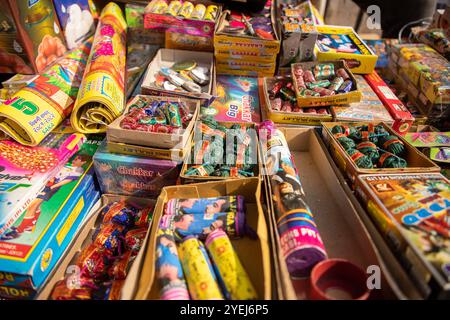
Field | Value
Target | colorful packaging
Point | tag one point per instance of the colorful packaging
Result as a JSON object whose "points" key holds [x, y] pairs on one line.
{"points": [[31, 248], [169, 271], [412, 212], [31, 113], [76, 20], [101, 98], [205, 205], [370, 108], [30, 36], [337, 42], [236, 282], [428, 139], [237, 100], [200, 276], [26, 170], [131, 175]]}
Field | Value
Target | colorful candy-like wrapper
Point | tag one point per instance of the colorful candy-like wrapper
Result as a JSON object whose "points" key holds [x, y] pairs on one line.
{"points": [[288, 94], [205, 205], [186, 9], [157, 6], [336, 84], [276, 104], [62, 291], [172, 113], [275, 89], [324, 91], [143, 217], [119, 269], [114, 290], [110, 237], [320, 84], [200, 276], [169, 271], [342, 73], [121, 214], [201, 225], [308, 76], [234, 279], [211, 13], [94, 261], [346, 86], [307, 92], [203, 170], [134, 239]]}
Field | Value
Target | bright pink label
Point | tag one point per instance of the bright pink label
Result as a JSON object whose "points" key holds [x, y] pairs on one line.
{"points": [[299, 237], [173, 24]]}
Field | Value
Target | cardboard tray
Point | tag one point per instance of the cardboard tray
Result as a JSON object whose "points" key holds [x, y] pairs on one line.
{"points": [[197, 179], [84, 238], [254, 254], [339, 224], [115, 133], [166, 58], [416, 160], [289, 117], [341, 98]]}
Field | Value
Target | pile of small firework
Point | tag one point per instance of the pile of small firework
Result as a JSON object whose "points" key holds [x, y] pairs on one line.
{"points": [[104, 263], [371, 146], [185, 76], [219, 151], [186, 9], [321, 80], [282, 98], [156, 116]]}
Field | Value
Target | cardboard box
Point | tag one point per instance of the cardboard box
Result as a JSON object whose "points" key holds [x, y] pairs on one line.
{"points": [[412, 230], [338, 42], [254, 254], [342, 231], [189, 160], [84, 237], [297, 45], [403, 118], [417, 162], [341, 98], [28, 260], [257, 73], [237, 100], [131, 175], [224, 54], [242, 65], [369, 109], [288, 117], [115, 133], [166, 58]]}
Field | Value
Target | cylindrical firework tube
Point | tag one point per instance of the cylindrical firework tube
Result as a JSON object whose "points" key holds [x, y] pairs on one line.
{"points": [[301, 244], [205, 205], [168, 268], [235, 280], [101, 98], [201, 225], [32, 112], [200, 276]]}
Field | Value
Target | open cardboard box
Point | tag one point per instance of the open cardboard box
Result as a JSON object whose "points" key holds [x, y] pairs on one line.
{"points": [[254, 254], [354, 95], [197, 179], [84, 238], [288, 117], [417, 162], [167, 58], [343, 233], [153, 139]]}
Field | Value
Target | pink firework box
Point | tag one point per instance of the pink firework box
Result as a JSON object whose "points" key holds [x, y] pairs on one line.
{"points": [[169, 23], [21, 180]]}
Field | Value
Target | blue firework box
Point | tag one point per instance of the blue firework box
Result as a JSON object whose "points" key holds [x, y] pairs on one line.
{"points": [[27, 261]]}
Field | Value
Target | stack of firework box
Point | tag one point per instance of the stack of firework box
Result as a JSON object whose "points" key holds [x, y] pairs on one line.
{"points": [[423, 74], [250, 48]]}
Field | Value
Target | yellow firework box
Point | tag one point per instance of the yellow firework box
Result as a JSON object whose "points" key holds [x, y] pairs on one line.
{"points": [[101, 98]]}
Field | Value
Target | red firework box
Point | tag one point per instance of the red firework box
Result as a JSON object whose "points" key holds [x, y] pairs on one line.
{"points": [[403, 119]]}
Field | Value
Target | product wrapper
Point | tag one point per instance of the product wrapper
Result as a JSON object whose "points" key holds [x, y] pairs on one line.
{"points": [[168, 268], [25, 171], [101, 98], [205, 205], [198, 269], [234, 279], [34, 111]]}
